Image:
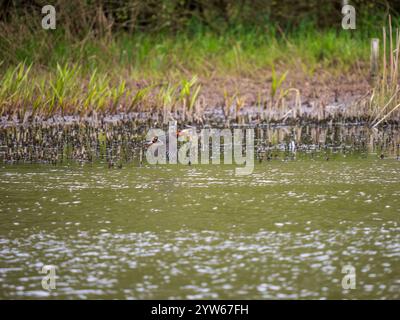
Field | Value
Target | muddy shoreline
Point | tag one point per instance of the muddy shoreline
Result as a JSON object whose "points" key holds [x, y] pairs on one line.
{"points": [[327, 115], [228, 100]]}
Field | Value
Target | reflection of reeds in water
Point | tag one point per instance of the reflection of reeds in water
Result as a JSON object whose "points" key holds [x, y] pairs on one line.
{"points": [[384, 102], [123, 141]]}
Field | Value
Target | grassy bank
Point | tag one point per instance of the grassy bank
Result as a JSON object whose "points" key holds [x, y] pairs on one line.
{"points": [[50, 72], [243, 52]]}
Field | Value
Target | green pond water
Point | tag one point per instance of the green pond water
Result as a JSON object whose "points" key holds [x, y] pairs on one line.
{"points": [[173, 231]]}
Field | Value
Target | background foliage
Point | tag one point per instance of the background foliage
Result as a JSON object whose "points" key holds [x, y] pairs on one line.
{"points": [[79, 16]]}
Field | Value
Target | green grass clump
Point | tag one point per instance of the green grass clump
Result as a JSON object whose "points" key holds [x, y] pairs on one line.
{"points": [[68, 91]]}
